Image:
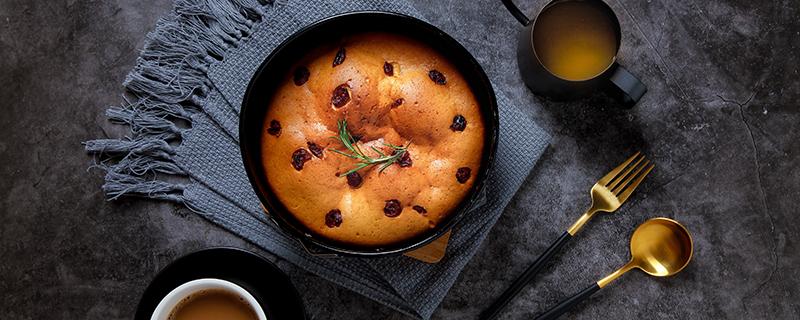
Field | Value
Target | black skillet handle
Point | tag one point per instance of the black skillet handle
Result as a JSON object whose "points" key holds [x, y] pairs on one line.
{"points": [[525, 278], [517, 13], [565, 305], [315, 250], [626, 87], [307, 244]]}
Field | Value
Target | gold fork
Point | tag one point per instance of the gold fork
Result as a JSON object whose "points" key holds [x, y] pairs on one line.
{"points": [[608, 194]]}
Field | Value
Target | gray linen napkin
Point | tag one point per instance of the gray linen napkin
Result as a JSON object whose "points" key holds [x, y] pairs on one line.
{"points": [[177, 76]]}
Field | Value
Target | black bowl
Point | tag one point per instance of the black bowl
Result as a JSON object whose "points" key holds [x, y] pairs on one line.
{"points": [[274, 70], [266, 282]]}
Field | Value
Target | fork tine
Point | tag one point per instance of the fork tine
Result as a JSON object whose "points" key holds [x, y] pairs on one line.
{"points": [[629, 189], [625, 179], [625, 175], [613, 178], [610, 176]]}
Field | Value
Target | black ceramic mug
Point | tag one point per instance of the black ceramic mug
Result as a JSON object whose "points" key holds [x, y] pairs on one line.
{"points": [[570, 50]]}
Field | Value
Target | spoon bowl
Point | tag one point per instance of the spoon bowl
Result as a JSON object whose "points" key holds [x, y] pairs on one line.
{"points": [[661, 247]]}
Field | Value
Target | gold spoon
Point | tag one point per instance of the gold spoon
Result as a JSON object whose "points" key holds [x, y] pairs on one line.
{"points": [[660, 247]]}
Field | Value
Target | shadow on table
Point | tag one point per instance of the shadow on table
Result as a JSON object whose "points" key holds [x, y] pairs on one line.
{"points": [[603, 131]]}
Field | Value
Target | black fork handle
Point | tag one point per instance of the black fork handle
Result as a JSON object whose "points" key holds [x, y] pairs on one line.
{"points": [[567, 304], [525, 278]]}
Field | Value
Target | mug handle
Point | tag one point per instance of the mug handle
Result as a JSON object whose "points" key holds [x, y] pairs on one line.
{"points": [[626, 87], [512, 8]]}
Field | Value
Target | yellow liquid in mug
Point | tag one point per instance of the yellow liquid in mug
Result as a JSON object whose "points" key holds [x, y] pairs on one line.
{"points": [[575, 40]]}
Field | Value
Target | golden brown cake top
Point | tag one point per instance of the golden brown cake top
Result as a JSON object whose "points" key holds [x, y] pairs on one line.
{"points": [[388, 90]]}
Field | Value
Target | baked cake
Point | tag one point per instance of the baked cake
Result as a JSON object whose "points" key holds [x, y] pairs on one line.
{"points": [[414, 130]]}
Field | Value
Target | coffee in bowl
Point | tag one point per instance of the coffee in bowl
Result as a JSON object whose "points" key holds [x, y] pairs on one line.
{"points": [[208, 299], [212, 305]]}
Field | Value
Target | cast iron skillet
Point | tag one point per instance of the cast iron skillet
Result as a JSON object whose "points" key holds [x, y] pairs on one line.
{"points": [[275, 69]]}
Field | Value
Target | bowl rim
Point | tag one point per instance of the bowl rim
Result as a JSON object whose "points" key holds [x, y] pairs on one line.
{"points": [[318, 245]]}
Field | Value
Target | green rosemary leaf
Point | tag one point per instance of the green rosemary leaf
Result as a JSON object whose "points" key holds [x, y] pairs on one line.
{"points": [[394, 146], [358, 150], [355, 152], [358, 167], [384, 166], [378, 151], [345, 154]]}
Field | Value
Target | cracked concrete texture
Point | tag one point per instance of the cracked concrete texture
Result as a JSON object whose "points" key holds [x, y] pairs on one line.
{"points": [[720, 121]]}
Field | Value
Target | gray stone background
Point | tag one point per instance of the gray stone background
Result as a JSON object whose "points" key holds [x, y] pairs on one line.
{"points": [[720, 121]]}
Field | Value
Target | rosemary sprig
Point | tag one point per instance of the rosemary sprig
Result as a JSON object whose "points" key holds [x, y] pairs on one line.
{"points": [[364, 160]]}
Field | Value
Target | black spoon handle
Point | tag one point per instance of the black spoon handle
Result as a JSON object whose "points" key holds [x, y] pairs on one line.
{"points": [[525, 278], [565, 305]]}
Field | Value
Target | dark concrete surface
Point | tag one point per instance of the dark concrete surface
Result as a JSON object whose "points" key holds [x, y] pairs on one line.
{"points": [[720, 121]]}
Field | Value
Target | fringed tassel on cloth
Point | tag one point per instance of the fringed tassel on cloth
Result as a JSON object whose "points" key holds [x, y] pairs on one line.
{"points": [[120, 184], [167, 86]]}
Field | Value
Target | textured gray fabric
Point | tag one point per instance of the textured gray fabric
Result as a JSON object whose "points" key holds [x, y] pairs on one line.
{"points": [[209, 92]]}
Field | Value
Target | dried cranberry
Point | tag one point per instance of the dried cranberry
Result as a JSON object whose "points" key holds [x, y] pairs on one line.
{"points": [[301, 76], [420, 209], [299, 158], [437, 77], [463, 173], [396, 103], [459, 123], [392, 208], [405, 160], [315, 149], [274, 128], [388, 69], [341, 95], [354, 180], [339, 58], [333, 218]]}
